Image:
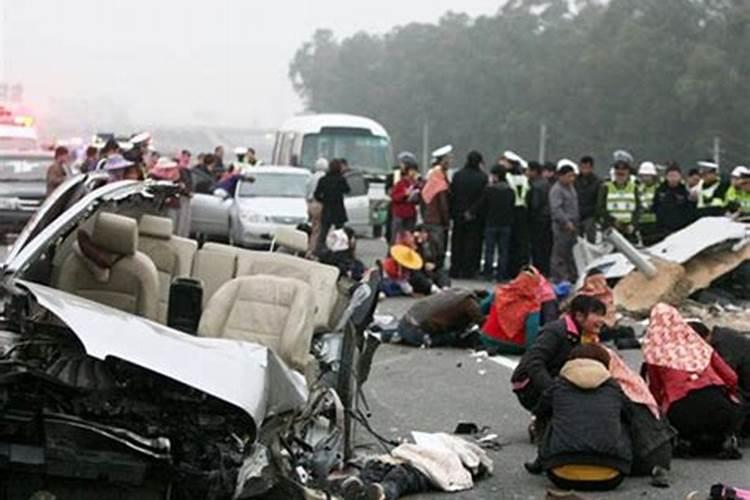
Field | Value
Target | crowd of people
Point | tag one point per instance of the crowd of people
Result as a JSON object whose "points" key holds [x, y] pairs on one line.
{"points": [[136, 159], [517, 213]]}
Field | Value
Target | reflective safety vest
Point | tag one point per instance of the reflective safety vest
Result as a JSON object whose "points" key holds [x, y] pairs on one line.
{"points": [[520, 185], [621, 201], [646, 195], [741, 197], [706, 196]]}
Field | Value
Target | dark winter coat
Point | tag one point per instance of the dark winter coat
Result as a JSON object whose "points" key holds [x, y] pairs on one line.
{"points": [[466, 188], [734, 347], [542, 362], [588, 187], [588, 415], [330, 192], [673, 207], [496, 205], [539, 202]]}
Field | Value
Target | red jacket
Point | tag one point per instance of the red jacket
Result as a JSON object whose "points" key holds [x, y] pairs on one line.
{"points": [[401, 205], [669, 385]]}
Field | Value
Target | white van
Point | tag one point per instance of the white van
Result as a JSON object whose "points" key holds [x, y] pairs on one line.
{"points": [[363, 142]]}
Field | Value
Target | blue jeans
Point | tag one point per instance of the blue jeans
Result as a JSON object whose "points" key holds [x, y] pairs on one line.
{"points": [[496, 238]]}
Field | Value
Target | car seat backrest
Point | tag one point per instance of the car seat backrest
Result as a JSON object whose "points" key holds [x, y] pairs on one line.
{"points": [[322, 278], [214, 265], [268, 310]]}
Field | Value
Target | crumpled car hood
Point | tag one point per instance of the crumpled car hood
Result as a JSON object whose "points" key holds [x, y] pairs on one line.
{"points": [[246, 375]]}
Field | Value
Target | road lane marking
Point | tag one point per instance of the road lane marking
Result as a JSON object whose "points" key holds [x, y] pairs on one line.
{"points": [[506, 362]]}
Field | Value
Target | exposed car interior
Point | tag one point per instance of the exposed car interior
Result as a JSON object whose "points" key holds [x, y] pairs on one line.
{"points": [[123, 256]]}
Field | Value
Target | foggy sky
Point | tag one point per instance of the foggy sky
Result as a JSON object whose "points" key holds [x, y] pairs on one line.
{"points": [[218, 62]]}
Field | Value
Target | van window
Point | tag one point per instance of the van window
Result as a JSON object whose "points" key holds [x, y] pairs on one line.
{"points": [[369, 154]]}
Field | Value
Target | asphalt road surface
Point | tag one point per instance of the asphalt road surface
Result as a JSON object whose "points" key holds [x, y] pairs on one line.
{"points": [[431, 390]]}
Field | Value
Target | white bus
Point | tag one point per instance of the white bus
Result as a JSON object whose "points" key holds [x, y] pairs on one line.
{"points": [[363, 142]]}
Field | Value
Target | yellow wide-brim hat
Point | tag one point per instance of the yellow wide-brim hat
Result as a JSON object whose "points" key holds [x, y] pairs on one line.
{"points": [[406, 257]]}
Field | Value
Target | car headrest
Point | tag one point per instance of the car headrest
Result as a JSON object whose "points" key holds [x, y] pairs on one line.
{"points": [[115, 233], [156, 227]]}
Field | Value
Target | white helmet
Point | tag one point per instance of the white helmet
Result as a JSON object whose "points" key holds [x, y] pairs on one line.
{"points": [[647, 168], [567, 163]]}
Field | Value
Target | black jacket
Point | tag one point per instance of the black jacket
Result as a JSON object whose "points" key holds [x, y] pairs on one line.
{"points": [[588, 415], [734, 347], [588, 188], [466, 188], [539, 202], [673, 207], [496, 205], [330, 192], [542, 362], [203, 181]]}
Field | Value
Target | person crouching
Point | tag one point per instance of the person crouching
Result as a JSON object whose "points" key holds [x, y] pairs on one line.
{"points": [[694, 387], [586, 445]]}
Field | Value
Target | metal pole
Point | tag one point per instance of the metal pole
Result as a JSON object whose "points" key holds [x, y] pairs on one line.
{"points": [[542, 142], [425, 146]]}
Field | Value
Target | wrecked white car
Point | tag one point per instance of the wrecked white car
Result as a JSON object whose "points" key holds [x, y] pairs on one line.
{"points": [[135, 365]]}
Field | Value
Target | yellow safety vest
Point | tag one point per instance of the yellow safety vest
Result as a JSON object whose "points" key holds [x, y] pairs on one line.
{"points": [[647, 194], [520, 185], [706, 196], [741, 197], [621, 202]]}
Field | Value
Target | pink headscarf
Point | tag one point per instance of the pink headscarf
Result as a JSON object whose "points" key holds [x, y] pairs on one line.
{"points": [[671, 343], [436, 184], [634, 387]]}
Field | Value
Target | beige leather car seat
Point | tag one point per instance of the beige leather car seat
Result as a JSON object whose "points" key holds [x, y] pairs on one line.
{"points": [[321, 277], [131, 282], [214, 265], [172, 257], [267, 310]]}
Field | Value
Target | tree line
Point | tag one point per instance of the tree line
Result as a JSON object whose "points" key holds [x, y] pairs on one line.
{"points": [[661, 78]]}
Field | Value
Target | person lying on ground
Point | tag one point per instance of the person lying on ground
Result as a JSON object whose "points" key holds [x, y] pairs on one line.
{"points": [[540, 364], [515, 314], [734, 348], [693, 385], [448, 463], [586, 444], [446, 318]]}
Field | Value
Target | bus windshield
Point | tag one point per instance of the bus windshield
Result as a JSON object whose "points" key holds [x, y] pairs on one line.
{"points": [[368, 154]]}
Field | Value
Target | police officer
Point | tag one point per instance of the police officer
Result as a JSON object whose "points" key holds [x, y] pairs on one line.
{"points": [[738, 196], [519, 238], [648, 181], [619, 203], [712, 195]]}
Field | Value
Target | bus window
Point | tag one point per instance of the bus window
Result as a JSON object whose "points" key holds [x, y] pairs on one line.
{"points": [[366, 153]]}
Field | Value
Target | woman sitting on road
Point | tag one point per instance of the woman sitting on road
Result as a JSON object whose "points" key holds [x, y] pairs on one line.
{"points": [[694, 386], [586, 445], [542, 362]]}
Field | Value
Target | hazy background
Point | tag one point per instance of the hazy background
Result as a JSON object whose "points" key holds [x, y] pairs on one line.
{"points": [[134, 63]]}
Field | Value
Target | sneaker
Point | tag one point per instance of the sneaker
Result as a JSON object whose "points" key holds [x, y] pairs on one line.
{"points": [[730, 450], [660, 477], [534, 468]]}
